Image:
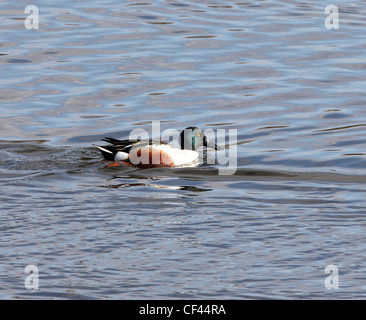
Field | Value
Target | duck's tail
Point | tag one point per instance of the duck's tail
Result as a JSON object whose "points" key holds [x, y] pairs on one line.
{"points": [[108, 152]]}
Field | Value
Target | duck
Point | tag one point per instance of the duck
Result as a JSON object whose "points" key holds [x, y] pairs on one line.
{"points": [[152, 154]]}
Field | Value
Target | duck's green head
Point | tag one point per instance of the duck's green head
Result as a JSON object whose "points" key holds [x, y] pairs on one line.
{"points": [[192, 138]]}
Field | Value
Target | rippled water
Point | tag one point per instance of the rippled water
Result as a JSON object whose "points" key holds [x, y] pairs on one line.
{"points": [[295, 92]]}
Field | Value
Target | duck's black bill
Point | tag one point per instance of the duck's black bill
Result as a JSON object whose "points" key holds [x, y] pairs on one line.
{"points": [[207, 143]]}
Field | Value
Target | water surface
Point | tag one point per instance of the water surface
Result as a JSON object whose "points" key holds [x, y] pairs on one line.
{"points": [[294, 91]]}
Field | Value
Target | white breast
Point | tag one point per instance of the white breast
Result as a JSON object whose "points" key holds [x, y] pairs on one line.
{"points": [[180, 157]]}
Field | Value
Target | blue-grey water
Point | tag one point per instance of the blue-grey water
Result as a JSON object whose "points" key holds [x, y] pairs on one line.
{"points": [[294, 90]]}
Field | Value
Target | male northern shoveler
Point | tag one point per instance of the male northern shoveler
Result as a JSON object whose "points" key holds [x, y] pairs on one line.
{"points": [[147, 154]]}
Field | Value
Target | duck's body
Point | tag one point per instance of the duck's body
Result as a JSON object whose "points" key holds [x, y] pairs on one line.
{"points": [[148, 154], [145, 154]]}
